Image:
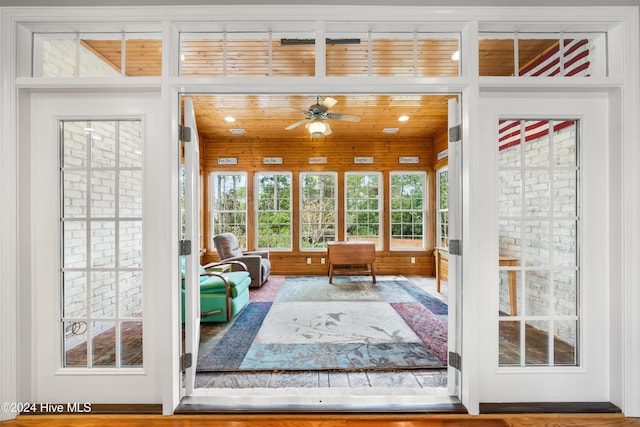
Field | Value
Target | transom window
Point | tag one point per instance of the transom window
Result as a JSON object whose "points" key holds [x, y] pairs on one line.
{"points": [[408, 210], [229, 205], [363, 210], [542, 54], [101, 234], [273, 210], [318, 209], [97, 55]]}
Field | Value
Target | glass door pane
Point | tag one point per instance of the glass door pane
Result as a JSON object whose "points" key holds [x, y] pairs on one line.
{"points": [[538, 239], [101, 233]]}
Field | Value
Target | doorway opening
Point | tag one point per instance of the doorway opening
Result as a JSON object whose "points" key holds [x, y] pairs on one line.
{"points": [[375, 177]]}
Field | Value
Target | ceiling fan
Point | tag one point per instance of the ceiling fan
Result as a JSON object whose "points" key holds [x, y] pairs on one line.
{"points": [[317, 115]]}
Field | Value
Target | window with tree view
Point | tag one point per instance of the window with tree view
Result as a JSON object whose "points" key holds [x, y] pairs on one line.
{"points": [[363, 206], [442, 226], [408, 210], [318, 204], [273, 210], [229, 205]]}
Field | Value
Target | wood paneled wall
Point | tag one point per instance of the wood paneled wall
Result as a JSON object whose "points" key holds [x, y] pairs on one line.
{"points": [[340, 158]]}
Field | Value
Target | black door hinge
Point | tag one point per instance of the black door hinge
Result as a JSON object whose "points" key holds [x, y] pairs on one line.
{"points": [[185, 247]]}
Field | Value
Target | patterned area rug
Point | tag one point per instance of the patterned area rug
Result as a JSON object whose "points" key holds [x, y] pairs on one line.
{"points": [[304, 323]]}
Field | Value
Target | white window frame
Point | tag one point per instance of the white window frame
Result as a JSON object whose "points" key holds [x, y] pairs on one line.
{"points": [[379, 211], [214, 211], [257, 210], [302, 210], [423, 211], [439, 209]]}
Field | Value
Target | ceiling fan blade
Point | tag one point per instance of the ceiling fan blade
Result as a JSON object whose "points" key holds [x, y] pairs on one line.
{"points": [[296, 124], [346, 117], [328, 102]]}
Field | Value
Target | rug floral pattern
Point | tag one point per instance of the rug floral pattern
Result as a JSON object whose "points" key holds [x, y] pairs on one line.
{"points": [[312, 325]]}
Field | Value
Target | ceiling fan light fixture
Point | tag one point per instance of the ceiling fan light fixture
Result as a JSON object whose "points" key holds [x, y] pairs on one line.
{"points": [[317, 128]]}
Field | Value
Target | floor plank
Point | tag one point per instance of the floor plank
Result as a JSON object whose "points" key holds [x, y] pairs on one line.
{"points": [[324, 420]]}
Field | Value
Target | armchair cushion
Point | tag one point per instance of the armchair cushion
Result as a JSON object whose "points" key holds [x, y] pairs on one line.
{"points": [[215, 285], [257, 262], [227, 246]]}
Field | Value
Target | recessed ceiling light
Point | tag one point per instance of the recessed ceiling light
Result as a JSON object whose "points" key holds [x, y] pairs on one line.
{"points": [[390, 130], [455, 56], [230, 119], [403, 118], [237, 131]]}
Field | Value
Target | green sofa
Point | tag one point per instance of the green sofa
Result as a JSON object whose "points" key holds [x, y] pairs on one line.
{"points": [[222, 295]]}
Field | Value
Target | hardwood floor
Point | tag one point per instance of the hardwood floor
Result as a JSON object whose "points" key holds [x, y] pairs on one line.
{"points": [[328, 420]]}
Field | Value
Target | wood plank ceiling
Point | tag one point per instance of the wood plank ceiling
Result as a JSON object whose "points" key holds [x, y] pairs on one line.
{"points": [[266, 116]]}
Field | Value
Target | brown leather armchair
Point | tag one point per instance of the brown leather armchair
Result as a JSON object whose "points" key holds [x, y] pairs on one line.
{"points": [[257, 262]]}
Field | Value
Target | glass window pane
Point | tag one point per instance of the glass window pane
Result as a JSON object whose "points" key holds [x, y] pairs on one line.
{"points": [[130, 289], [75, 194], [103, 194], [100, 55], [130, 249], [75, 144], [104, 344], [103, 293], [536, 147], [565, 194], [130, 189], [538, 54], [392, 54], [510, 193], [131, 349], [130, 144], [564, 343], [564, 143], [103, 143], [509, 345], [54, 55], [537, 343], [510, 293], [74, 235], [273, 208], [229, 205], [293, 59], [565, 241], [496, 54], [538, 293], [537, 198], [536, 246], [103, 244], [362, 214], [408, 210], [510, 238], [318, 209], [75, 294], [565, 291], [143, 55], [75, 344], [509, 143]]}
